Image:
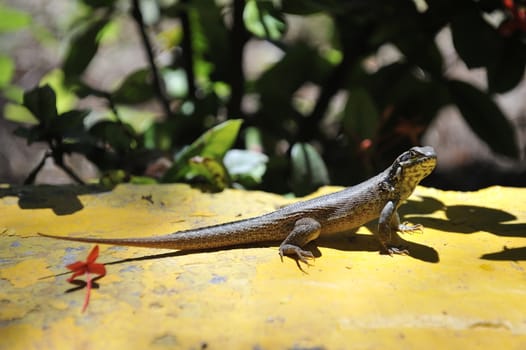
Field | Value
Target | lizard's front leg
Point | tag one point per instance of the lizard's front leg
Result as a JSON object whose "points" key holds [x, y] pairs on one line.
{"points": [[388, 224], [304, 231]]}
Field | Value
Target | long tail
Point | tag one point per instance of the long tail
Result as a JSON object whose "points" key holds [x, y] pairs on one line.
{"points": [[222, 235], [153, 242]]}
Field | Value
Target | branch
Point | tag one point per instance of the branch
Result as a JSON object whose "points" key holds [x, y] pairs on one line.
{"points": [[157, 82], [238, 38], [188, 59]]}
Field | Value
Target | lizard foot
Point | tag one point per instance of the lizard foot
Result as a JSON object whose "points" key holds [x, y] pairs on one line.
{"points": [[407, 227], [292, 250], [399, 250]]}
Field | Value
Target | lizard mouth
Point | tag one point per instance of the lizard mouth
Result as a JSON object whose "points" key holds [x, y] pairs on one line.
{"points": [[418, 162]]}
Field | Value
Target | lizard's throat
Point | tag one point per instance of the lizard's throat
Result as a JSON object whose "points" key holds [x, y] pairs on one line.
{"points": [[412, 176]]}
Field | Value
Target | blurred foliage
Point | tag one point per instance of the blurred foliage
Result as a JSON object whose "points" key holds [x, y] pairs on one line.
{"points": [[292, 141]]}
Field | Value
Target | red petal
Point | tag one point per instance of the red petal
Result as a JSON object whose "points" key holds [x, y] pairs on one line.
{"points": [[75, 274], [93, 255], [98, 269], [78, 265]]}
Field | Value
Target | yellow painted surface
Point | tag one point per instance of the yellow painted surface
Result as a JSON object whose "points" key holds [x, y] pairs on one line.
{"points": [[463, 287]]}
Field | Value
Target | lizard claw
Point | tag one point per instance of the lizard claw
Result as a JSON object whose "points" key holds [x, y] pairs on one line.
{"points": [[302, 255], [399, 250], [407, 227]]}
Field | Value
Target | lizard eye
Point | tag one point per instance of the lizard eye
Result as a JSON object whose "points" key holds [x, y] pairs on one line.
{"points": [[407, 155]]}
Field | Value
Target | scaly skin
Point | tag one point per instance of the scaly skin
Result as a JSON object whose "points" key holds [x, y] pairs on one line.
{"points": [[297, 224]]}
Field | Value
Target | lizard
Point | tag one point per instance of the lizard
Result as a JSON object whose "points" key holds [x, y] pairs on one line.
{"points": [[297, 224]]}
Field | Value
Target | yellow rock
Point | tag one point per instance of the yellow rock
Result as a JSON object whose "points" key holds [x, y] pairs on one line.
{"points": [[464, 285]]}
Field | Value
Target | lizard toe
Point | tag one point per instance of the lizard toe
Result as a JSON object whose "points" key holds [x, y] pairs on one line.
{"points": [[291, 250], [399, 250]]}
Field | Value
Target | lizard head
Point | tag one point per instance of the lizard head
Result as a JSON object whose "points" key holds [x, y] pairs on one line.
{"points": [[412, 166]]}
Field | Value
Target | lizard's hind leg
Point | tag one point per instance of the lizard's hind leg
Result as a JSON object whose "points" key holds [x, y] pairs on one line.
{"points": [[305, 230]]}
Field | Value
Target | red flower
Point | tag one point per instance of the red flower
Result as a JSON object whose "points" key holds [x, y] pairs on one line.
{"points": [[516, 20], [87, 267]]}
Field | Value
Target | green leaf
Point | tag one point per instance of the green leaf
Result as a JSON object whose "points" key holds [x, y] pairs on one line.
{"points": [[212, 144], [475, 40], [136, 88], [11, 19], [66, 99], [7, 68], [82, 49], [308, 169], [360, 115], [41, 101], [212, 170], [484, 117], [19, 114], [143, 180], [139, 120], [111, 178], [264, 20], [14, 93]]}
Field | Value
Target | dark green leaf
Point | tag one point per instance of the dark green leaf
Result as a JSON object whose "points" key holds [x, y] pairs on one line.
{"points": [[475, 40], [309, 7], [136, 88], [117, 135], [264, 20], [301, 64], [484, 117], [212, 144], [308, 169], [82, 49], [99, 3], [33, 134], [360, 115], [41, 101], [210, 38], [508, 70], [70, 123]]}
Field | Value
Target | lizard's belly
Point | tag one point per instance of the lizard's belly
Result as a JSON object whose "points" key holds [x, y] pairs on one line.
{"points": [[345, 219]]}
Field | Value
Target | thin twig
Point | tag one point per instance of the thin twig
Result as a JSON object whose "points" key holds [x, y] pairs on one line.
{"points": [[157, 82], [30, 179], [58, 158], [238, 39], [188, 59]]}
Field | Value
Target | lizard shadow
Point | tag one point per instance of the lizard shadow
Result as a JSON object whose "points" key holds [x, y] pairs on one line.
{"points": [[470, 219], [369, 243]]}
